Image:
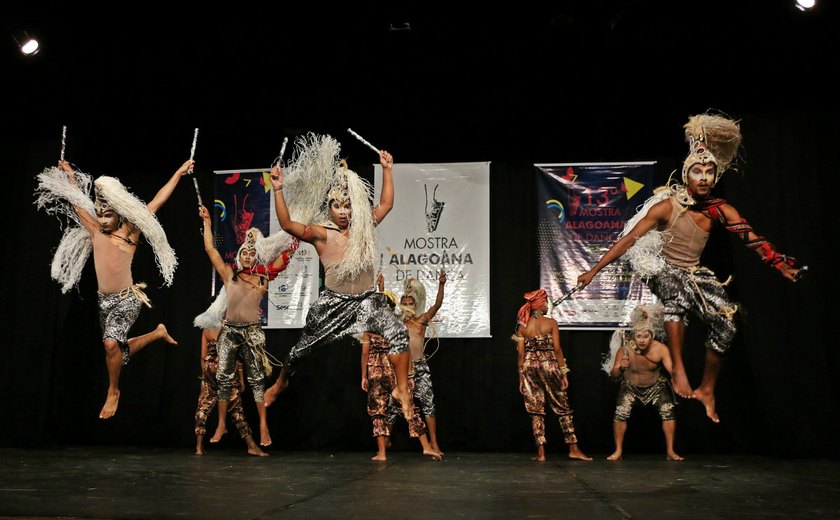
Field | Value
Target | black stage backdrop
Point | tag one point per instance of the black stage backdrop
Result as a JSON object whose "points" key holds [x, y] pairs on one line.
{"points": [[777, 393]]}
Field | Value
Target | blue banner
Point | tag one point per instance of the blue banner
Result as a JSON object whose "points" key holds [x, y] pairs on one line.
{"points": [[582, 208]]}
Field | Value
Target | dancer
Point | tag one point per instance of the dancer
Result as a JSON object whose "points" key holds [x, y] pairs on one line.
{"points": [[636, 362], [664, 242], [242, 338], [111, 227], [378, 381], [342, 230], [543, 373], [412, 305], [210, 325]]}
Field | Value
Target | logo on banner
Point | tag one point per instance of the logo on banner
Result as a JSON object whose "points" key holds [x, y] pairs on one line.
{"points": [[558, 206], [433, 213]]}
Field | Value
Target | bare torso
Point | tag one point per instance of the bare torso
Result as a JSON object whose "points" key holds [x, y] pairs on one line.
{"points": [[112, 257], [244, 296]]}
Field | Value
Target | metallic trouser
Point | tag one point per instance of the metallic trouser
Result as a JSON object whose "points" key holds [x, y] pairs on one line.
{"points": [[335, 315], [543, 380], [659, 394], [381, 382], [208, 396], [117, 313], [696, 290], [243, 342]]}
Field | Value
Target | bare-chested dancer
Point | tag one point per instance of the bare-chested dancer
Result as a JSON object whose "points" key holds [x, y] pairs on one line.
{"points": [[242, 338], [344, 240], [637, 365], [110, 227]]}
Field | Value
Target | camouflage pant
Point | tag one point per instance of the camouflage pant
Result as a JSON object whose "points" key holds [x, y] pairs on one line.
{"points": [[208, 396], [381, 382]]}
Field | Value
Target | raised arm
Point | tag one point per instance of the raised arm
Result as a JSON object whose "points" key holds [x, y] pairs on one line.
{"points": [[296, 229], [164, 193], [734, 223], [87, 220], [659, 212], [216, 259], [386, 197], [427, 316]]}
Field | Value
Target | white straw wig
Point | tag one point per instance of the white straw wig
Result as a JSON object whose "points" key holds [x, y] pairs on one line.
{"points": [[135, 211], [317, 170], [57, 195]]}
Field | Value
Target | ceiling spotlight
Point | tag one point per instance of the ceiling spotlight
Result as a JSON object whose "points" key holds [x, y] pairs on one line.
{"points": [[805, 5], [28, 45]]}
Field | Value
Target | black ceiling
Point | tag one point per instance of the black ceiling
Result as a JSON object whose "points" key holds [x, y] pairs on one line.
{"points": [[429, 71]]}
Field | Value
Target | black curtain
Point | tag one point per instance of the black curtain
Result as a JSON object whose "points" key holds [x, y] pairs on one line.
{"points": [[776, 394]]}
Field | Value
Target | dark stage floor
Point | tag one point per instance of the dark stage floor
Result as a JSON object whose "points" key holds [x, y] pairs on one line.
{"points": [[117, 483]]}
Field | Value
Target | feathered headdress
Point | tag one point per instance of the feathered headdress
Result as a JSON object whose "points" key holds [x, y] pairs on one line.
{"points": [[711, 139], [650, 318], [415, 289]]}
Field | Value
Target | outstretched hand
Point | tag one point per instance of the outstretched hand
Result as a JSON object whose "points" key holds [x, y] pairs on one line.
{"points": [[791, 273], [186, 168], [585, 279], [386, 160], [442, 277], [204, 214], [276, 177]]}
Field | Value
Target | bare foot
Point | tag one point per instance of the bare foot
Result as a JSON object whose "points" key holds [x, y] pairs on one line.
{"points": [[672, 455], [538, 458], [199, 450], [112, 400], [379, 456], [255, 450], [681, 386], [164, 334], [265, 436], [615, 456], [437, 450], [708, 400], [220, 432], [433, 454], [575, 453], [405, 400], [271, 394]]}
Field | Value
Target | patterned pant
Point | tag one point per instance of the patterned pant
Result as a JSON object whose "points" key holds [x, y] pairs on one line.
{"points": [[381, 381], [243, 342], [117, 313], [208, 396], [423, 392], [335, 315], [697, 291], [658, 394], [543, 380]]}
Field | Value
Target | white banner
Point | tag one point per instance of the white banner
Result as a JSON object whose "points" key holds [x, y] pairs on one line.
{"points": [[440, 221]]}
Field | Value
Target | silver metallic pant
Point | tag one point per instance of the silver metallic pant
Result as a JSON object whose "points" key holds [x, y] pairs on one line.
{"points": [[697, 291], [244, 342], [335, 315], [658, 394], [117, 313]]}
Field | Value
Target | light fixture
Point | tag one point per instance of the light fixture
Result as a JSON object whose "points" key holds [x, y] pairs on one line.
{"points": [[805, 5], [28, 45]]}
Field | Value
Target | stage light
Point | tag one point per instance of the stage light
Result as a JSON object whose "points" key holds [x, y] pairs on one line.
{"points": [[28, 45], [805, 5]]}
